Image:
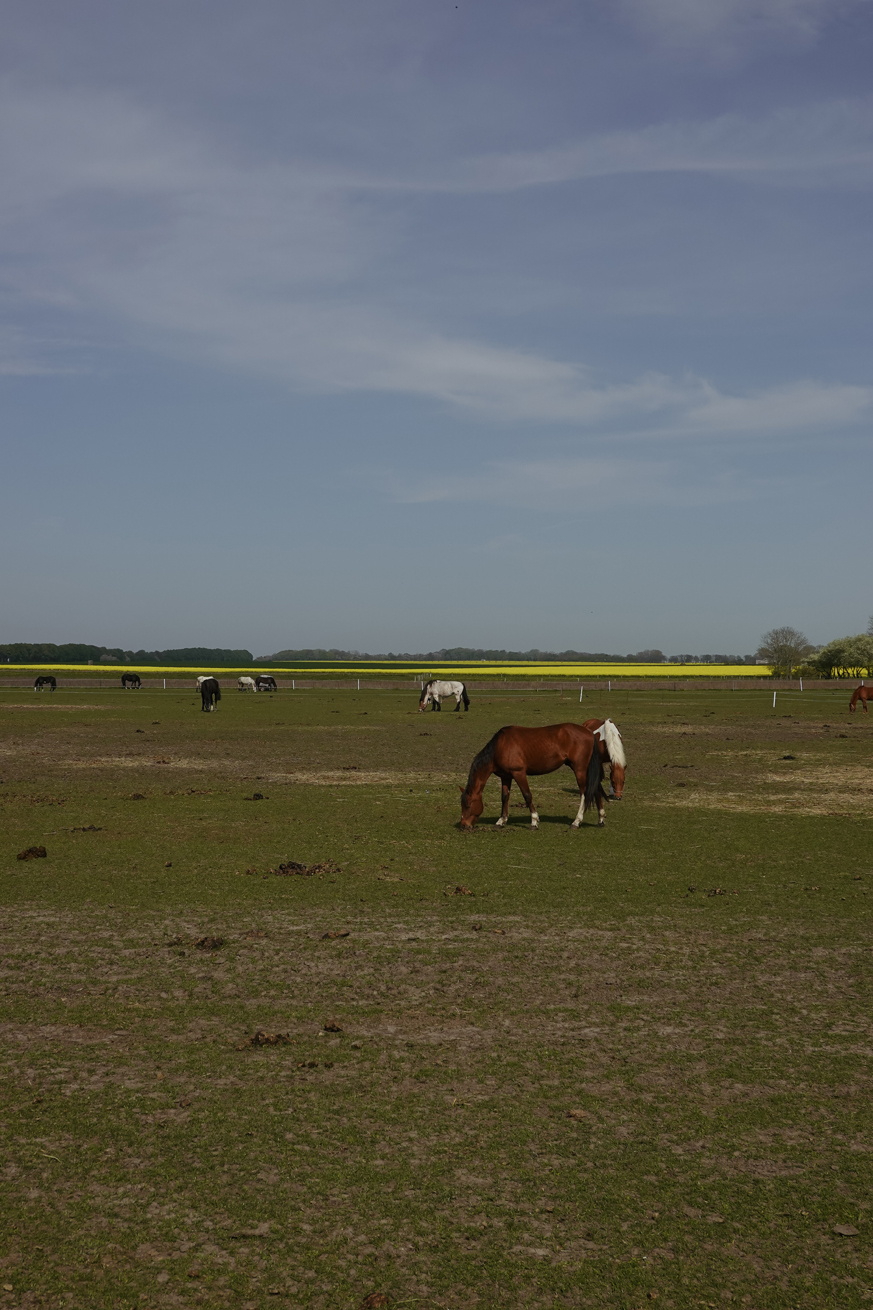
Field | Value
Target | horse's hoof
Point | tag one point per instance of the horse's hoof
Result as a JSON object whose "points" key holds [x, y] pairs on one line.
{"points": [[501, 823], [575, 824]]}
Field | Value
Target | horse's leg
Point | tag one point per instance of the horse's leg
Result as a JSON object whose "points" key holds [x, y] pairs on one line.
{"points": [[580, 815], [521, 778], [437, 703], [601, 802], [505, 788]]}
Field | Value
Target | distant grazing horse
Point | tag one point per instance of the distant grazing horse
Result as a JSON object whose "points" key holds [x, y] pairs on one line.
{"points": [[266, 682], [210, 693], [432, 691], [246, 684], [611, 753], [46, 680], [131, 681], [513, 753], [862, 694]]}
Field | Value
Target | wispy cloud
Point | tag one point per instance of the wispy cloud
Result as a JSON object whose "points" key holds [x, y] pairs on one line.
{"points": [[735, 24], [560, 484], [276, 269], [805, 145]]}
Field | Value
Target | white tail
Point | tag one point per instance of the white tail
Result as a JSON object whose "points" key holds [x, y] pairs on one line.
{"points": [[610, 734]]}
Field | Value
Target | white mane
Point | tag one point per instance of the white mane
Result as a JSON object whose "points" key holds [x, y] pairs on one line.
{"points": [[610, 734]]}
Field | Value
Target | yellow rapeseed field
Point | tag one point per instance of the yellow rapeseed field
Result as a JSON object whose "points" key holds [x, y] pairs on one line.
{"points": [[386, 669]]}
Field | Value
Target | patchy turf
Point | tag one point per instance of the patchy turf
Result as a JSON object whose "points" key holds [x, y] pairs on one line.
{"points": [[275, 1033]]}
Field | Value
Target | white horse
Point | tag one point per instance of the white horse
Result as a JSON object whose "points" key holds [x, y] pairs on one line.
{"points": [[246, 684], [203, 677], [433, 691]]}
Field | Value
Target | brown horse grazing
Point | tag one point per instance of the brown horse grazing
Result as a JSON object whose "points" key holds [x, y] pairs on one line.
{"points": [[611, 753], [862, 694], [513, 753]]}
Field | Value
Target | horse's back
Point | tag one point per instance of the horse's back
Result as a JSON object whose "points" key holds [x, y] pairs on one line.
{"points": [[542, 750]]}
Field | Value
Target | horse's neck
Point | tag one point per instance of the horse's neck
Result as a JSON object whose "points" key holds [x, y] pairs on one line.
{"points": [[479, 777]]}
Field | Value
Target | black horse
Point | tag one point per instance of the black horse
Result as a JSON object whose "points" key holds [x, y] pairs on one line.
{"points": [[266, 682], [46, 680], [131, 681], [210, 693]]}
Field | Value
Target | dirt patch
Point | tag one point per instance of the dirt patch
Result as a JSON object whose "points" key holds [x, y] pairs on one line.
{"points": [[833, 799], [69, 709], [261, 1038], [362, 777]]}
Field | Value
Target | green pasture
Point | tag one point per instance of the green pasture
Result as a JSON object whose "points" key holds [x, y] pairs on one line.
{"points": [[609, 1068]]}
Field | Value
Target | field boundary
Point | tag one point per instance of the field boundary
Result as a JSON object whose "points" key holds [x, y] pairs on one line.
{"points": [[739, 684]]}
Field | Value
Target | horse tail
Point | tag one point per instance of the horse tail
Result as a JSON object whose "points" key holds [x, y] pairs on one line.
{"points": [[466, 698], [593, 777], [217, 692], [614, 746]]}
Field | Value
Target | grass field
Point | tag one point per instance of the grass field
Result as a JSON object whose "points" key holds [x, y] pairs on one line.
{"points": [[610, 1068]]}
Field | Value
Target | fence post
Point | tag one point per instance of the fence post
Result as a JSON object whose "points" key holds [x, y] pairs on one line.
{"points": [[359, 684], [801, 684], [774, 700], [293, 685], [581, 689], [165, 684]]}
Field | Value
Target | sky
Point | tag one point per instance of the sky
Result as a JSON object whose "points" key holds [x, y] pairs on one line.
{"points": [[404, 324]]}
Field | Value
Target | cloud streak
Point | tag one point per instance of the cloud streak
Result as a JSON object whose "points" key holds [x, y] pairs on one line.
{"points": [[273, 269], [568, 483], [811, 145], [734, 24]]}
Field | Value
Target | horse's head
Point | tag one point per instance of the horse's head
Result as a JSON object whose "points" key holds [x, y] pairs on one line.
{"points": [[616, 782], [471, 808], [424, 699]]}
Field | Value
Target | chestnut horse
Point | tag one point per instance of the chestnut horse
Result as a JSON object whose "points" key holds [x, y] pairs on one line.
{"points": [[862, 694], [611, 753], [513, 753]]}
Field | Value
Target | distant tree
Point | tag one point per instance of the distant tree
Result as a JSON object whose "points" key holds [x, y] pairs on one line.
{"points": [[846, 657], [870, 627], [648, 657], [784, 649]]}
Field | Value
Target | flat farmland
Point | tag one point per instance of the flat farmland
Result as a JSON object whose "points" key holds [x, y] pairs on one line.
{"points": [[613, 1067]]}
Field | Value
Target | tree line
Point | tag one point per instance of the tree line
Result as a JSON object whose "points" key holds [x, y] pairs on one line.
{"points": [[22, 652], [790, 655], [471, 654]]}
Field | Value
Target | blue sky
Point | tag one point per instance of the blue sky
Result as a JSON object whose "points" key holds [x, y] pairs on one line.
{"points": [[397, 324]]}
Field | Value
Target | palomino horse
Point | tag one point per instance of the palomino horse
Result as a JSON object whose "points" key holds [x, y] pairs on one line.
{"points": [[46, 680], [266, 682], [862, 694], [246, 684], [513, 753], [210, 693], [611, 753], [131, 681], [432, 692]]}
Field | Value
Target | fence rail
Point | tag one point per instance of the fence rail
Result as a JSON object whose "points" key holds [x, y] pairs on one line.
{"points": [[508, 684]]}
